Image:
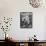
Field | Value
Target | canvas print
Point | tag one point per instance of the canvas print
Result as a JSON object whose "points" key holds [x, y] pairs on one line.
{"points": [[25, 19]]}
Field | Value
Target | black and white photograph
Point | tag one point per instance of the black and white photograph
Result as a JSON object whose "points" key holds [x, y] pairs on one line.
{"points": [[26, 19]]}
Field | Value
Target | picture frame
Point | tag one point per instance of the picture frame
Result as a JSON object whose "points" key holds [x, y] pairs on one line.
{"points": [[26, 19]]}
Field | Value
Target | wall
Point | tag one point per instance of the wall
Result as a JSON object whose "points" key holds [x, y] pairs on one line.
{"points": [[12, 8]]}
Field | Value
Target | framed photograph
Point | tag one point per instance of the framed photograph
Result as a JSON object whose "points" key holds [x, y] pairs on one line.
{"points": [[26, 19]]}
